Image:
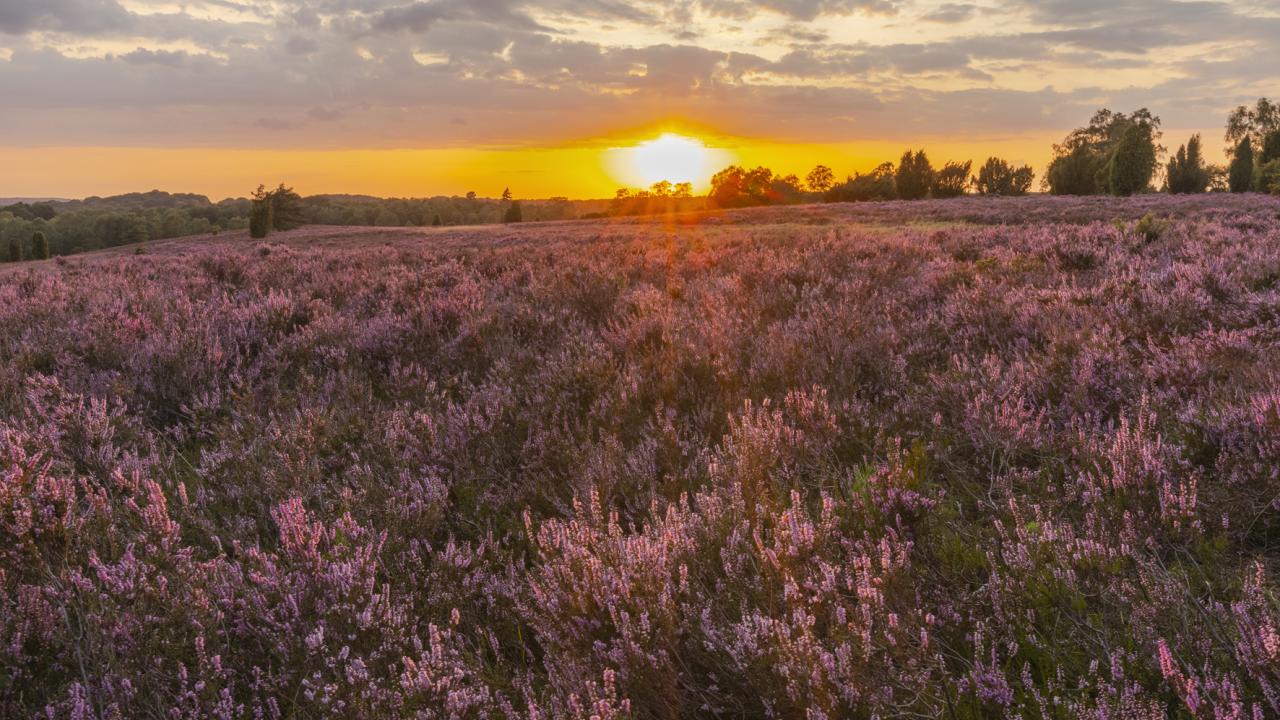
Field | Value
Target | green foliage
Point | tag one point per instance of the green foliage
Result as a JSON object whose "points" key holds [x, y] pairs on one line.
{"points": [[1270, 148], [514, 214], [34, 211], [1132, 164], [1151, 228], [1253, 123], [952, 180], [997, 177], [1075, 173], [15, 250], [1084, 162], [878, 184], [121, 228], [1186, 172], [39, 246], [1240, 177], [914, 177], [1268, 178]]}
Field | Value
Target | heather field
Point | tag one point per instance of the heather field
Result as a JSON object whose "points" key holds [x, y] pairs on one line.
{"points": [[951, 459]]}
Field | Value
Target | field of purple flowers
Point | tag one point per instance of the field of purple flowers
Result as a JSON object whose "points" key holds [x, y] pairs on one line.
{"points": [[959, 459]]}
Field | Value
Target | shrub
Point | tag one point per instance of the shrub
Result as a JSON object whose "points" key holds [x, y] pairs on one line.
{"points": [[875, 185], [997, 177], [15, 250], [952, 180]]}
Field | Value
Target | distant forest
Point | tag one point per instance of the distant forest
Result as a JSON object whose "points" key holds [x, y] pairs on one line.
{"points": [[101, 222], [1116, 153]]}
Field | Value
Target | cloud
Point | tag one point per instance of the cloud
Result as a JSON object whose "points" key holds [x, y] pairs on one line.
{"points": [[798, 9], [951, 13], [18, 17], [418, 17], [143, 56], [300, 45], [336, 73]]}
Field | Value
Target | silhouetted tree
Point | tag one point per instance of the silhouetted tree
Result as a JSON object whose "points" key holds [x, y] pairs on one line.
{"points": [[952, 180], [1240, 178], [914, 176], [997, 177], [514, 214], [261, 214], [682, 190], [661, 189], [820, 179], [735, 187], [288, 209], [506, 194], [875, 185], [39, 246], [785, 190], [1132, 164], [279, 209], [435, 221], [1186, 172]]}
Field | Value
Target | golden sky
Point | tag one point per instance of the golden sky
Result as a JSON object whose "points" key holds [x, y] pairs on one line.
{"points": [[423, 97]]}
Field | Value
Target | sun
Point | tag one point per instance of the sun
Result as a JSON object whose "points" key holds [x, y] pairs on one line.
{"points": [[672, 157]]}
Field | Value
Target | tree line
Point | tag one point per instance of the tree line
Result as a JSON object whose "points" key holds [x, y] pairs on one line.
{"points": [[1115, 154], [95, 223]]}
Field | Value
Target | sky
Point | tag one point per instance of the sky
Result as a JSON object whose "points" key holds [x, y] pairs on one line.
{"points": [[425, 97]]}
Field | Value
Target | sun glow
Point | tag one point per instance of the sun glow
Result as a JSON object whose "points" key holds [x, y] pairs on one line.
{"points": [[671, 157]]}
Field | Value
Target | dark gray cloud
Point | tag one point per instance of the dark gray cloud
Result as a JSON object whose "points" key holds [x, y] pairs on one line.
{"points": [[76, 16]]}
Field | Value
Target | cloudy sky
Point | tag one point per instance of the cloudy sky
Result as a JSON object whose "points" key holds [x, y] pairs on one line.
{"points": [[414, 97]]}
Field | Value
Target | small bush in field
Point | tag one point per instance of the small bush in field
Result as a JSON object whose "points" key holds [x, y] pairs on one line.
{"points": [[968, 459]]}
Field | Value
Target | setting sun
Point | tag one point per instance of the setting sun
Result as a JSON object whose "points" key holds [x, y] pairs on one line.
{"points": [[672, 157]]}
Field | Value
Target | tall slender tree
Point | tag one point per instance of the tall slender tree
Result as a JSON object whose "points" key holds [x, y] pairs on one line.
{"points": [[1240, 176], [1186, 172], [39, 246]]}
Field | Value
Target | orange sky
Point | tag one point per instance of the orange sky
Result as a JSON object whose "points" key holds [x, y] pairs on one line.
{"points": [[576, 172]]}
